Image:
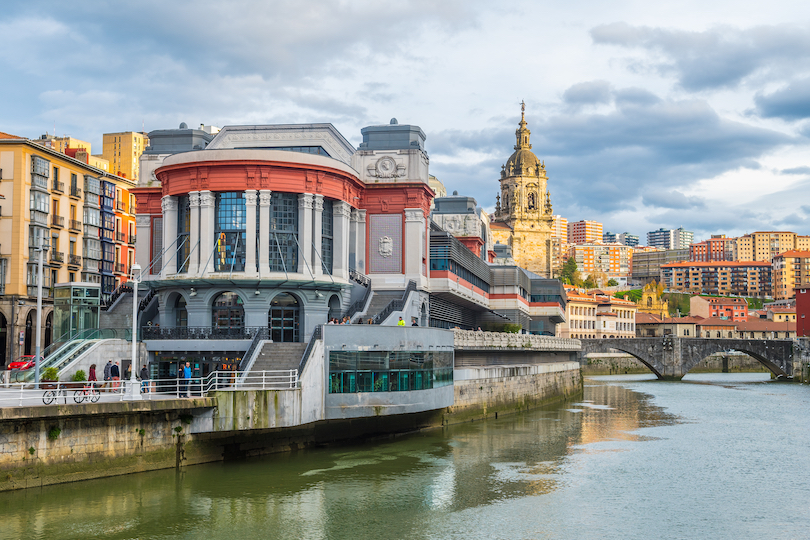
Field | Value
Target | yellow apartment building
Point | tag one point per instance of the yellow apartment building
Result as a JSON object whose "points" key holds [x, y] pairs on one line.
{"points": [[765, 245], [791, 270], [48, 196], [123, 151]]}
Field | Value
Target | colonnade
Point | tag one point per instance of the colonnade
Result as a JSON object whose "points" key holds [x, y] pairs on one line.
{"points": [[348, 244]]}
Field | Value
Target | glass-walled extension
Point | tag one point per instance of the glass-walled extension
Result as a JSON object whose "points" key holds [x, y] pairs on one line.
{"points": [[388, 371]]}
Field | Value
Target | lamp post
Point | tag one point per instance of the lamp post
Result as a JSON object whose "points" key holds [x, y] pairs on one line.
{"points": [[43, 247], [133, 388]]}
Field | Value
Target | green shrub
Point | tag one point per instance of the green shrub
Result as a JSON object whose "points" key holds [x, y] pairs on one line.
{"points": [[79, 376], [50, 374], [53, 433], [512, 328]]}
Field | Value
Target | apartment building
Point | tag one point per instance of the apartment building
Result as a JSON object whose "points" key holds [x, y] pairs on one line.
{"points": [[716, 248], [624, 238], [670, 238], [791, 271], [646, 262], [722, 278], [765, 245], [603, 260], [596, 316], [584, 232], [732, 309], [123, 151], [79, 211]]}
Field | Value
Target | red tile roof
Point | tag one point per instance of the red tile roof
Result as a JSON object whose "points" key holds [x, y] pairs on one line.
{"points": [[9, 136], [795, 254]]}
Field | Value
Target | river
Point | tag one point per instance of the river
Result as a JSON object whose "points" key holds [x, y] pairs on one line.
{"points": [[715, 456]]}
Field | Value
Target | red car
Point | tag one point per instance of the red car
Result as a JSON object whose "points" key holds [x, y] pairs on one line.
{"points": [[24, 362]]}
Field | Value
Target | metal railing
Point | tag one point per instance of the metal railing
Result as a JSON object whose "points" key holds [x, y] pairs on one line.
{"points": [[120, 237], [359, 277], [261, 335], [395, 305], [58, 186], [57, 221], [57, 257], [19, 394], [75, 191], [316, 335], [199, 332], [358, 306], [75, 225], [75, 260], [132, 239]]}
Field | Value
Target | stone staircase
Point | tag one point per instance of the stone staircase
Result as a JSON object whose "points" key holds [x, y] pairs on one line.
{"points": [[379, 301], [278, 356]]}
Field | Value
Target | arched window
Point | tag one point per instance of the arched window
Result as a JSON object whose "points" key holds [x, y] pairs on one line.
{"points": [[180, 313], [532, 201], [183, 230], [227, 311]]}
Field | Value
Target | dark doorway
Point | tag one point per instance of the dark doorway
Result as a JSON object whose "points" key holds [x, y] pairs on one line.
{"points": [[284, 319]]}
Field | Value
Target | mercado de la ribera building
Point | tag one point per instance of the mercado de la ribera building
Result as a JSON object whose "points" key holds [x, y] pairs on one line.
{"points": [[278, 228]]}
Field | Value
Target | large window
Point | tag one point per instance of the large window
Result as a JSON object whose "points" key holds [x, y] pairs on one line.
{"points": [[327, 230], [388, 371], [284, 232], [229, 242], [227, 311], [183, 228]]}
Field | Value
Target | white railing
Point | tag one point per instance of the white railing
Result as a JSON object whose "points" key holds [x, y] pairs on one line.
{"points": [[67, 393]]}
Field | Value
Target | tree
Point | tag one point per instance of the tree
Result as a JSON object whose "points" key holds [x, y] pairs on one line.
{"points": [[590, 283], [612, 283], [568, 271]]}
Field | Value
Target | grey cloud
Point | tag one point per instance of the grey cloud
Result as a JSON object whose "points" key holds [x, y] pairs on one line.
{"points": [[586, 93], [671, 199], [789, 103], [719, 57], [796, 170]]}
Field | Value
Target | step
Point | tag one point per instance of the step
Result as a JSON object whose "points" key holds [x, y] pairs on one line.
{"points": [[279, 356]]}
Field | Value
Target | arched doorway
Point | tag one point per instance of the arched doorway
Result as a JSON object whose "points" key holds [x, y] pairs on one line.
{"points": [[48, 329], [228, 311], [334, 307], [284, 319], [29, 334]]}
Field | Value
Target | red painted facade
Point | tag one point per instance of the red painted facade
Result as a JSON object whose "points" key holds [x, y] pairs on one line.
{"points": [[802, 312]]}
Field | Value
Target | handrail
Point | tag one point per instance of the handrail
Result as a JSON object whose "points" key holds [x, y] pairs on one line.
{"points": [[358, 306], [316, 335], [396, 304], [261, 335], [359, 277], [199, 332], [108, 300]]}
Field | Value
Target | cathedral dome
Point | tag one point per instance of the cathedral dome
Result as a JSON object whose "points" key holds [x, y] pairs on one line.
{"points": [[522, 161]]}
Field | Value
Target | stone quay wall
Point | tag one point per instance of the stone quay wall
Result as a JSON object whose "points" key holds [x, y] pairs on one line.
{"points": [[57, 443], [485, 392]]}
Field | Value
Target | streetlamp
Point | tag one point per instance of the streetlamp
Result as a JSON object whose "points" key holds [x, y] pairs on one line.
{"points": [[43, 247], [133, 388]]}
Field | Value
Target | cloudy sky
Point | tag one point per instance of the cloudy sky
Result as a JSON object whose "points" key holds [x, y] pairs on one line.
{"points": [[647, 114]]}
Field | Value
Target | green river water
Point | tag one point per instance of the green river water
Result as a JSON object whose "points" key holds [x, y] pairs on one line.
{"points": [[717, 456]]}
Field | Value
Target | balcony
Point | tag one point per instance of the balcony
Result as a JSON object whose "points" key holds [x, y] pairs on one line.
{"points": [[39, 182], [57, 257], [75, 225], [90, 265], [58, 186], [120, 206], [132, 209], [57, 221], [75, 260], [121, 237], [40, 218], [132, 239], [90, 231], [120, 268], [76, 191]]}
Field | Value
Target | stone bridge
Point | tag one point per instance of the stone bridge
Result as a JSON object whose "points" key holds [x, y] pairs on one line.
{"points": [[671, 358]]}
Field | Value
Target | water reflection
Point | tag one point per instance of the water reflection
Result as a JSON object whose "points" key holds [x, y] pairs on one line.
{"points": [[457, 482]]}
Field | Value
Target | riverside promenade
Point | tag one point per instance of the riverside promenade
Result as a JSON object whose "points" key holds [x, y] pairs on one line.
{"points": [[388, 380]]}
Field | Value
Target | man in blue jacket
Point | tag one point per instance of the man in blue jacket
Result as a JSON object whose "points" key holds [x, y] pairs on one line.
{"points": [[187, 379]]}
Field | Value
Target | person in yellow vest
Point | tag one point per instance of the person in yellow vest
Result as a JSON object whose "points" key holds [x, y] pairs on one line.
{"points": [[401, 322]]}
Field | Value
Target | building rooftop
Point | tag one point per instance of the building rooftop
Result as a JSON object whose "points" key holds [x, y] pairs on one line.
{"points": [[4, 135]]}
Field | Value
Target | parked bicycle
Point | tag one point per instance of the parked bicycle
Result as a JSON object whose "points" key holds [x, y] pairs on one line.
{"points": [[50, 395], [88, 393]]}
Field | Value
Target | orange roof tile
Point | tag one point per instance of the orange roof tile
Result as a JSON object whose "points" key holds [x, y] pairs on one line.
{"points": [[9, 136]]}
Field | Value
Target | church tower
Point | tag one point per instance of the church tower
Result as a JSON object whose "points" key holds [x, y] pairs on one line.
{"points": [[523, 215]]}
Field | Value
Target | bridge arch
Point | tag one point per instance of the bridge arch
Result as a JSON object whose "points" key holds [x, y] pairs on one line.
{"points": [[775, 362]]}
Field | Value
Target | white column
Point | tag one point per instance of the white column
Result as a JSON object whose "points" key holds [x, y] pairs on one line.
{"points": [[342, 212], [414, 231], [194, 233], [265, 239], [317, 234], [305, 233], [143, 241], [169, 206], [207, 217], [250, 232], [360, 241]]}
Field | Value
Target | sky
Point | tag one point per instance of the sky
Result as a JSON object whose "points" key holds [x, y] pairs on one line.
{"points": [[689, 114]]}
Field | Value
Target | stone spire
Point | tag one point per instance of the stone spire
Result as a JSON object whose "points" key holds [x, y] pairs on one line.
{"points": [[522, 134]]}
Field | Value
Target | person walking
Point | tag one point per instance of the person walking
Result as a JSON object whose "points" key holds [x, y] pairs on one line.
{"points": [[91, 378], [107, 373], [144, 380], [187, 379], [115, 376]]}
